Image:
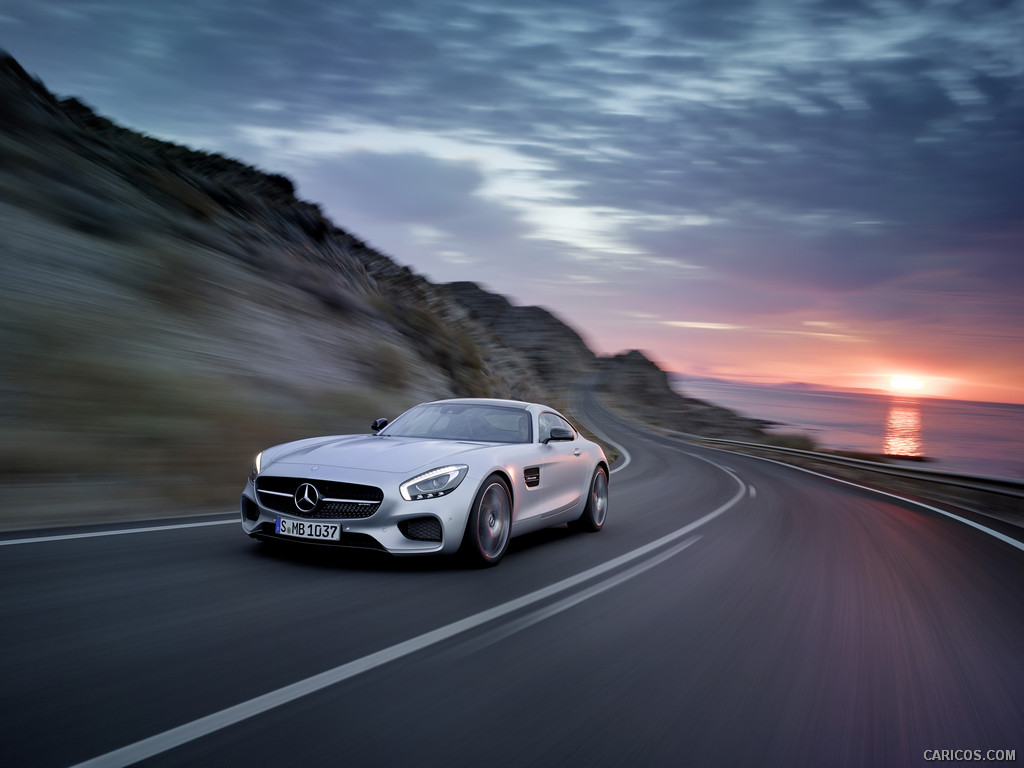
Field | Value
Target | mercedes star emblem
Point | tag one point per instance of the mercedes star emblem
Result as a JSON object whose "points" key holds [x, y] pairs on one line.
{"points": [[306, 497]]}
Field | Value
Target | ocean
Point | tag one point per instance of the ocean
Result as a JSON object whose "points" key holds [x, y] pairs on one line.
{"points": [[955, 435]]}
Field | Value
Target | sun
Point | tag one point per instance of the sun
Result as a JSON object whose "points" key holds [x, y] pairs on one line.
{"points": [[905, 383]]}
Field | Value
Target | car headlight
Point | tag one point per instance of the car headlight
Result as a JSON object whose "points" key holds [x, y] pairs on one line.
{"points": [[257, 466], [436, 482]]}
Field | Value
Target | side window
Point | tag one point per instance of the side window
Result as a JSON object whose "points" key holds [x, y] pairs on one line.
{"points": [[548, 420], [544, 424]]}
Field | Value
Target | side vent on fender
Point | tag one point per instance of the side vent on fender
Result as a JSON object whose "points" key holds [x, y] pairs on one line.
{"points": [[532, 476]]}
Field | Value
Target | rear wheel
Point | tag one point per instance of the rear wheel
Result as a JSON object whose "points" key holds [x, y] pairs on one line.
{"points": [[490, 523], [596, 511]]}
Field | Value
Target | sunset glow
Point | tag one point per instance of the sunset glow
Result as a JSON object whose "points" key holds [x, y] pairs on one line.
{"points": [[905, 383]]}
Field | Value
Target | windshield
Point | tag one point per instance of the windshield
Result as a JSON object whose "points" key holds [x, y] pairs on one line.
{"points": [[464, 421]]}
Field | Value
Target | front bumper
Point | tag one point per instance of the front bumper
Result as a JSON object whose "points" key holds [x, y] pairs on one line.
{"points": [[397, 526]]}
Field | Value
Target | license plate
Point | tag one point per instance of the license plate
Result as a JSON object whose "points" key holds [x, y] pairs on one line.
{"points": [[304, 529]]}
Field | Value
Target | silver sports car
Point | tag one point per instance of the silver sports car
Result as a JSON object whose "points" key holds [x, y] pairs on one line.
{"points": [[444, 477]]}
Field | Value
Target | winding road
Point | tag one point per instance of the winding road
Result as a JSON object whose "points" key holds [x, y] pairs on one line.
{"points": [[732, 612]]}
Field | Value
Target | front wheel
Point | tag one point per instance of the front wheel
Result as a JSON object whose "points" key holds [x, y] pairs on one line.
{"points": [[596, 511], [490, 523]]}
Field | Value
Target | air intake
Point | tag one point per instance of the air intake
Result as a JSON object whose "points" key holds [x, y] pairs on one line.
{"points": [[421, 529]]}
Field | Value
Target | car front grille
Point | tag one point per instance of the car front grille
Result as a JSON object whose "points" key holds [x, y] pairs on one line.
{"points": [[334, 500]]}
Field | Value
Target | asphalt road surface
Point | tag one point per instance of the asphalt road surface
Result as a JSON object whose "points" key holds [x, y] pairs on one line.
{"points": [[732, 612]]}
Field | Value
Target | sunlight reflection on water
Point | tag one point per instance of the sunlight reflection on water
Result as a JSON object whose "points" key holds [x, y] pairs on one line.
{"points": [[903, 429], [956, 435]]}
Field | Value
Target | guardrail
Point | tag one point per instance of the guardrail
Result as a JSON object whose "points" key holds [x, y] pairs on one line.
{"points": [[994, 497]]}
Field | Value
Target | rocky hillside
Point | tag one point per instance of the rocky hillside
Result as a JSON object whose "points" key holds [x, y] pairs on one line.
{"points": [[165, 313], [554, 350], [630, 382], [635, 385]]}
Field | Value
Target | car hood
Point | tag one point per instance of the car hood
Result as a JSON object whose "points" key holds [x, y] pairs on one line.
{"points": [[373, 453]]}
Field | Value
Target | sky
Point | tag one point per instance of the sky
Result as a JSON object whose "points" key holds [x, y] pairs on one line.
{"points": [[822, 191]]}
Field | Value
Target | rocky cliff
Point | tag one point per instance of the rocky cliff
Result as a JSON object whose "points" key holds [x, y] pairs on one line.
{"points": [[554, 350], [633, 384], [630, 381]]}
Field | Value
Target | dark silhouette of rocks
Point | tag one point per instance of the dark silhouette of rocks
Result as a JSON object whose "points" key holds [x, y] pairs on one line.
{"points": [[642, 389]]}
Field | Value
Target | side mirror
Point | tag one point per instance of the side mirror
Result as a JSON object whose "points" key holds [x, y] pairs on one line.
{"points": [[379, 424], [560, 434]]}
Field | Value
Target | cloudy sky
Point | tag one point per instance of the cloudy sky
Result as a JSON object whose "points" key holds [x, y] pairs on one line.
{"points": [[828, 191]]}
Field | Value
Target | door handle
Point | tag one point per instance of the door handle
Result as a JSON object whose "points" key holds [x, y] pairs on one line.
{"points": [[576, 452]]}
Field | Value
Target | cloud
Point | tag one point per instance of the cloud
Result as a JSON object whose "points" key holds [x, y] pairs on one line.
{"points": [[702, 326], [736, 163]]}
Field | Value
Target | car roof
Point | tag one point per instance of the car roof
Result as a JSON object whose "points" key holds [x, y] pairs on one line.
{"points": [[491, 401]]}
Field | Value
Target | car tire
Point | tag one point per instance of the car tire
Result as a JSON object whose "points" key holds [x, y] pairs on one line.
{"points": [[596, 511], [490, 523]]}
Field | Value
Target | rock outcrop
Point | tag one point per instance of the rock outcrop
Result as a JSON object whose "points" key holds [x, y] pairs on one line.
{"points": [[556, 353], [640, 388]]}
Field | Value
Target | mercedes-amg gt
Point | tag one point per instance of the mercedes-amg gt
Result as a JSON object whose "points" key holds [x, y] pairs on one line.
{"points": [[451, 476]]}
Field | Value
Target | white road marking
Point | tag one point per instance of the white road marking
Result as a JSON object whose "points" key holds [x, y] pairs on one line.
{"points": [[575, 407], [537, 616], [121, 532], [624, 453], [175, 737], [753, 492], [626, 458], [1001, 536]]}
